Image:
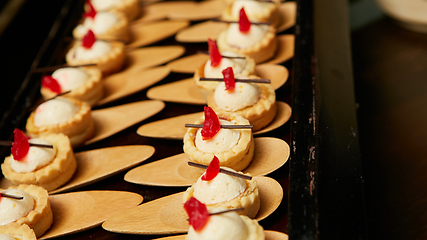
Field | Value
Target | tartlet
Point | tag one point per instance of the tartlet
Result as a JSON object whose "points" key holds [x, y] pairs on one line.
{"points": [[237, 158], [91, 91], [19, 232], [130, 8], [52, 175], [256, 11], [40, 217], [79, 128]]}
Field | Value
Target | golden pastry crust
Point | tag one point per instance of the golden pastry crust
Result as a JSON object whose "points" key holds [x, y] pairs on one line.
{"points": [[79, 129], [256, 232], [237, 158], [51, 176], [119, 31], [261, 113], [40, 218], [269, 13], [20, 232], [248, 200], [110, 63], [260, 52], [91, 91], [130, 8], [206, 87]]}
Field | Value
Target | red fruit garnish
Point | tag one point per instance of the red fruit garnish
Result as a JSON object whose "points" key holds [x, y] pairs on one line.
{"points": [[211, 125], [88, 39], [51, 83], [197, 212], [20, 145], [91, 13], [244, 24], [229, 80], [214, 54], [212, 170]]}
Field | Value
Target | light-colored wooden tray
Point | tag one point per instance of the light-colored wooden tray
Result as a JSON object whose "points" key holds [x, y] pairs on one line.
{"points": [[174, 127], [109, 121], [167, 215], [79, 211], [186, 91], [269, 235], [143, 34], [270, 154], [95, 165], [182, 10], [201, 32]]}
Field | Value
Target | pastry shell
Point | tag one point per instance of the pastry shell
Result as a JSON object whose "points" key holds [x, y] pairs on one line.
{"points": [[237, 158], [51, 176], [260, 114], [269, 13], [110, 63], [91, 91], [118, 31], [16, 231], [256, 232], [40, 218], [206, 87], [130, 8], [79, 129], [248, 200], [260, 51]]}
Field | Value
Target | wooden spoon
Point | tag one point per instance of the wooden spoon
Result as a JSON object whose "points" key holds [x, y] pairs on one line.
{"points": [[186, 91], [148, 57], [269, 235], [79, 211], [95, 165], [167, 216], [270, 154], [112, 120], [174, 128]]}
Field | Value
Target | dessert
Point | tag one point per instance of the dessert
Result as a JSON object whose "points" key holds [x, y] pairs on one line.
{"points": [[45, 167], [257, 11], [224, 226], [224, 191], [233, 147], [130, 8], [255, 40], [108, 56], [69, 116], [33, 210], [253, 101], [242, 65], [84, 83], [14, 231], [112, 25]]}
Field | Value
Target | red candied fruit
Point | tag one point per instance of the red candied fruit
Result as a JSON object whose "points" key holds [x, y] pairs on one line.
{"points": [[197, 212], [91, 13], [214, 54], [88, 39], [211, 125], [20, 145], [244, 24], [213, 170], [51, 83], [229, 80]]}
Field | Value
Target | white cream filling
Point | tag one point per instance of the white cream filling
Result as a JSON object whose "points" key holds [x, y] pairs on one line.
{"points": [[102, 22], [104, 5], [70, 78], [243, 95], [98, 49], [220, 189], [252, 8], [238, 39], [12, 209], [216, 72], [36, 158], [54, 111], [226, 226], [6, 237], [223, 141]]}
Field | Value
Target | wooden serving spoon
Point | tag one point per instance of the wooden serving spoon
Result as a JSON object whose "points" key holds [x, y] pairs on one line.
{"points": [[270, 154], [167, 215], [174, 127]]}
